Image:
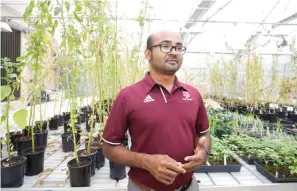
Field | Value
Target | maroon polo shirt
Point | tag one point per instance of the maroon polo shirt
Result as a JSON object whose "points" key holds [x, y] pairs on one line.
{"points": [[159, 122]]}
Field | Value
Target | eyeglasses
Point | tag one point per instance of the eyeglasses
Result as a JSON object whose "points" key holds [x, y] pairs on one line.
{"points": [[168, 48]]}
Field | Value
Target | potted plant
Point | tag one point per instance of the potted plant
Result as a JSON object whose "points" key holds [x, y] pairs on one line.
{"points": [[12, 168], [72, 53]]}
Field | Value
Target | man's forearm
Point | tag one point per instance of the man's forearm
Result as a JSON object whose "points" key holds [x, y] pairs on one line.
{"points": [[121, 155], [207, 143]]}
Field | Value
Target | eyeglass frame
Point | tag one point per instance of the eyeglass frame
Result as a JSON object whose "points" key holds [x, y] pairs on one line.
{"points": [[172, 47]]}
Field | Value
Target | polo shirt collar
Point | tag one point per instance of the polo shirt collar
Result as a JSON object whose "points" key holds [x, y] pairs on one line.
{"points": [[150, 83]]}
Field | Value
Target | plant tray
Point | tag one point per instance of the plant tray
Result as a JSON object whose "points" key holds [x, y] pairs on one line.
{"points": [[219, 168], [250, 160], [271, 177], [291, 131]]}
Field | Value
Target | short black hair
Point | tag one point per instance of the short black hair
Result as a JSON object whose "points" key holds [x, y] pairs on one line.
{"points": [[149, 41]]}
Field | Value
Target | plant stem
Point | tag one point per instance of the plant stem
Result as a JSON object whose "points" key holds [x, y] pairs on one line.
{"points": [[7, 130]]}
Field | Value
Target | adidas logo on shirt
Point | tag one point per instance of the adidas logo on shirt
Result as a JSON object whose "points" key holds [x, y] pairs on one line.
{"points": [[148, 98]]}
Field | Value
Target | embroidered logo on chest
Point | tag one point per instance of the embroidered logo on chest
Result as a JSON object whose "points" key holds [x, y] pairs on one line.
{"points": [[186, 96], [147, 99]]}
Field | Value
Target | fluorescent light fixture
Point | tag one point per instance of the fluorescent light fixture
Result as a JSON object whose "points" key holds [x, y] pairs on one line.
{"points": [[5, 27]]}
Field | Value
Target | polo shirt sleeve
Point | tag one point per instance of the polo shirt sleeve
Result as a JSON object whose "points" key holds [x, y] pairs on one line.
{"points": [[116, 124], [202, 123]]}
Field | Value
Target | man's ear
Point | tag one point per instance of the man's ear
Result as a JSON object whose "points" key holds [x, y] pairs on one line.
{"points": [[148, 54]]}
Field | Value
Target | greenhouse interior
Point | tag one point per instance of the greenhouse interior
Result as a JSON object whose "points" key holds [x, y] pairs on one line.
{"points": [[64, 64]]}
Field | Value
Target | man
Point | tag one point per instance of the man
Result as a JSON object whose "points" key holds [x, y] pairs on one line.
{"points": [[167, 122]]}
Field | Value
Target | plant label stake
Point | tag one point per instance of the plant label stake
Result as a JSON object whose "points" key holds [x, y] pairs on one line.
{"points": [[289, 138]]}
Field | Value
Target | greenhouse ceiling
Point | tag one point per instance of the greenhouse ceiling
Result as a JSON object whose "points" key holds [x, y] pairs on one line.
{"points": [[207, 26]]}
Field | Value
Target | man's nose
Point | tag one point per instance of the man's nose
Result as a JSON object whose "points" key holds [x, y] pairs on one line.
{"points": [[173, 51]]}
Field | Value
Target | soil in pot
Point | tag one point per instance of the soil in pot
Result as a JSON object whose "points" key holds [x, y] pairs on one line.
{"points": [[41, 139], [12, 175], [92, 154], [35, 160], [100, 158], [23, 143], [54, 123], [117, 171], [14, 136], [80, 175]]}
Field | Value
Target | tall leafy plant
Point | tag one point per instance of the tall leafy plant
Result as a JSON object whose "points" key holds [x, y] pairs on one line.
{"points": [[12, 81], [39, 41]]}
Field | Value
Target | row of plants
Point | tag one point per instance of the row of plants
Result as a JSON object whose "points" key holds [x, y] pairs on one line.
{"points": [[92, 72], [278, 157], [221, 159], [269, 147], [248, 79]]}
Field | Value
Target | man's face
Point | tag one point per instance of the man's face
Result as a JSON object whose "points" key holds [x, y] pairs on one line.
{"points": [[162, 60]]}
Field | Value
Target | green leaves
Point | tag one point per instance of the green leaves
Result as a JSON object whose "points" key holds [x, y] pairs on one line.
{"points": [[67, 5], [5, 91], [57, 11], [20, 118], [20, 58], [29, 10]]}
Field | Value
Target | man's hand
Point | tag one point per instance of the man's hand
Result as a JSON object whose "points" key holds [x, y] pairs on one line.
{"points": [[164, 168], [198, 158]]}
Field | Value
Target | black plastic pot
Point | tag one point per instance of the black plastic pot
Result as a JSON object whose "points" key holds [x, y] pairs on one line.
{"points": [[80, 176], [93, 155], [293, 117], [35, 161], [41, 139], [13, 138], [23, 144], [66, 116], [13, 176], [54, 123], [26, 130], [61, 120], [282, 114], [117, 171], [271, 117], [100, 158], [43, 126], [270, 176], [67, 142], [67, 129], [83, 117]]}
